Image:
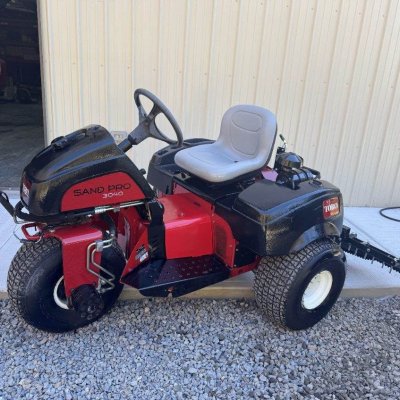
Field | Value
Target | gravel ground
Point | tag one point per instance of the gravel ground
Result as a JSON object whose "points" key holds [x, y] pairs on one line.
{"points": [[205, 349]]}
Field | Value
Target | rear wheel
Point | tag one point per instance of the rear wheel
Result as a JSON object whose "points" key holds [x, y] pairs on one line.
{"points": [[297, 290], [36, 286]]}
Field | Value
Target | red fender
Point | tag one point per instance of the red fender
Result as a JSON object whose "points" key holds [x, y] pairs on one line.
{"points": [[74, 243]]}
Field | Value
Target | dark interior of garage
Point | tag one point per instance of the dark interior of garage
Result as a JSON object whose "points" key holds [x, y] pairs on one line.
{"points": [[21, 114]]}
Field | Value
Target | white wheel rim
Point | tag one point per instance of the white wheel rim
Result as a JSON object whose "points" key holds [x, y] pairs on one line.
{"points": [[317, 290], [60, 302]]}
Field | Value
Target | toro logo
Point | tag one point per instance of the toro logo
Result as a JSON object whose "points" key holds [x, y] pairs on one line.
{"points": [[105, 191], [331, 207]]}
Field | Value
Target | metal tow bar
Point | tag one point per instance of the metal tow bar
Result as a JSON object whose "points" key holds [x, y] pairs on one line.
{"points": [[352, 245]]}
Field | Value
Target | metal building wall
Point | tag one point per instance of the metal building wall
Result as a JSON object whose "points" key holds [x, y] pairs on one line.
{"points": [[328, 69]]}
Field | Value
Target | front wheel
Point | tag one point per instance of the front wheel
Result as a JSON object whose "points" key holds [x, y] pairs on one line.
{"points": [[297, 290], [35, 285]]}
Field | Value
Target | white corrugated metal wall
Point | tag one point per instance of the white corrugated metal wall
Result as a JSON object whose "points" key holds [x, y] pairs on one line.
{"points": [[328, 69]]}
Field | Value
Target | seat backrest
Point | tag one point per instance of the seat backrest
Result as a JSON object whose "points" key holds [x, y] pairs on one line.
{"points": [[248, 132]]}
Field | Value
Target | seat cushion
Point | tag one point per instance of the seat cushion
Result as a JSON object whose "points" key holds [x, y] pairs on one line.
{"points": [[244, 145], [211, 163]]}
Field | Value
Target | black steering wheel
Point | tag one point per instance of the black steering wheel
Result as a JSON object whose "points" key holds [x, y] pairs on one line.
{"points": [[147, 122]]}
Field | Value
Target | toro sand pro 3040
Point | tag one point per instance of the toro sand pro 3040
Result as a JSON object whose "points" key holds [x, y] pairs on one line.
{"points": [[209, 210]]}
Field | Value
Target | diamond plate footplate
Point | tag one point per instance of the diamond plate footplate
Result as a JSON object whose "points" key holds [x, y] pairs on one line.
{"points": [[160, 278]]}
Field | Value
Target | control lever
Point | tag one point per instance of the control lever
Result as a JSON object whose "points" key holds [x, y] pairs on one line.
{"points": [[282, 148]]}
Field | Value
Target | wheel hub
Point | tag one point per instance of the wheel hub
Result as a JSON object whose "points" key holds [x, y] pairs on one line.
{"points": [[87, 301], [317, 290], [59, 294]]}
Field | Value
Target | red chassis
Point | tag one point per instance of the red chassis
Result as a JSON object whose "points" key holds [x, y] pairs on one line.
{"points": [[192, 229], [188, 220]]}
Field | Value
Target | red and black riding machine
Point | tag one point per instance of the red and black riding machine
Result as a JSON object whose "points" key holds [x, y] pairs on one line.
{"points": [[208, 211]]}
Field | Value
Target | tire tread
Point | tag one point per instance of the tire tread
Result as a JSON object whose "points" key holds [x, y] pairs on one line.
{"points": [[275, 275], [22, 267]]}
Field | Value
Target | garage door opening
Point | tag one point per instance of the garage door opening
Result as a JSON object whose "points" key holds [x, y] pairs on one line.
{"points": [[21, 114]]}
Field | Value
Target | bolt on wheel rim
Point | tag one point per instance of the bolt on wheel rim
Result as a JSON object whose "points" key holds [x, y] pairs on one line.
{"points": [[60, 300], [317, 290]]}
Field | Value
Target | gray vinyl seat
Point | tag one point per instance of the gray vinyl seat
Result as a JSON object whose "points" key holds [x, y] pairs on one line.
{"points": [[244, 145]]}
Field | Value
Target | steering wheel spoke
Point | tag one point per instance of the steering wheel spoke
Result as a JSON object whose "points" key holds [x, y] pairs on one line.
{"points": [[142, 113], [154, 111], [157, 134], [147, 124]]}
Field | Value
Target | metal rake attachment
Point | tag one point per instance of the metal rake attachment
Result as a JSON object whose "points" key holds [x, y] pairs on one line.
{"points": [[365, 250]]}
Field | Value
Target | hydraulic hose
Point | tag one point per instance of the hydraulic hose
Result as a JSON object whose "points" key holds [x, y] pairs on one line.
{"points": [[387, 216]]}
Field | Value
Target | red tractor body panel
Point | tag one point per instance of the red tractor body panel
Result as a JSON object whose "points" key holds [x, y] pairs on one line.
{"points": [[129, 229], [133, 238], [188, 226]]}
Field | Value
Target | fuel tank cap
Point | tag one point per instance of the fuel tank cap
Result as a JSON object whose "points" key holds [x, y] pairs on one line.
{"points": [[289, 160]]}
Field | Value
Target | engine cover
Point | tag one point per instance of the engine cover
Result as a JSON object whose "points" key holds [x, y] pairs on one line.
{"points": [[272, 219], [82, 170]]}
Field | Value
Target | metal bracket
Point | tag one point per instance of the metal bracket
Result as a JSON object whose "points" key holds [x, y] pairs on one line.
{"points": [[105, 283]]}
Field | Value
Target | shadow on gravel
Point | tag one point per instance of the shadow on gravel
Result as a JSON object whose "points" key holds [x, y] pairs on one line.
{"points": [[205, 349]]}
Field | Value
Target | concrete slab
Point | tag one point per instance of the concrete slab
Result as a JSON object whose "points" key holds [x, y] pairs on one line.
{"points": [[363, 279], [370, 224], [8, 243]]}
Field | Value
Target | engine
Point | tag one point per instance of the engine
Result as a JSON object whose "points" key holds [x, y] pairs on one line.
{"points": [[291, 171]]}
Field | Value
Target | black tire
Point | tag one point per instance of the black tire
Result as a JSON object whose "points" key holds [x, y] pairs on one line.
{"points": [[33, 274], [280, 283]]}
